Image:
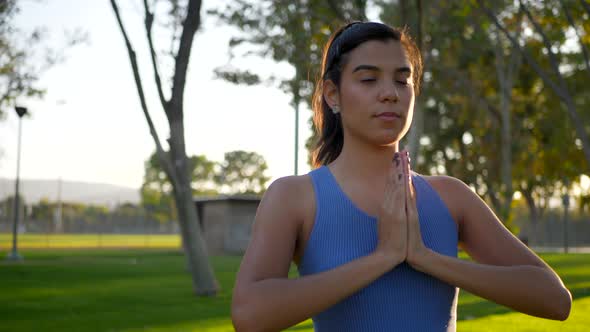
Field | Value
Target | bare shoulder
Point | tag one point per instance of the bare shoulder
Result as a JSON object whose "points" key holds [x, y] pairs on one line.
{"points": [[276, 228], [284, 210], [445, 182], [290, 195]]}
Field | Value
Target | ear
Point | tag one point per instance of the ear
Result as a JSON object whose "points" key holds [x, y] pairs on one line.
{"points": [[331, 93]]}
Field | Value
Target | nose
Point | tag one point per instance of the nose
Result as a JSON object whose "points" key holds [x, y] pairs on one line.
{"points": [[388, 93]]}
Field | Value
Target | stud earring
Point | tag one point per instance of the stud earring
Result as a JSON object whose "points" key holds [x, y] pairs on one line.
{"points": [[335, 109]]}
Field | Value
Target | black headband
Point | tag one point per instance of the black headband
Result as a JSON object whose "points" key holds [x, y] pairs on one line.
{"points": [[335, 48]]}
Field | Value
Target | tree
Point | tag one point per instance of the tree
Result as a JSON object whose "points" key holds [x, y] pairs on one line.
{"points": [[24, 58], [243, 173], [184, 18], [156, 190], [536, 175], [556, 77], [482, 125], [7, 207], [17, 76]]}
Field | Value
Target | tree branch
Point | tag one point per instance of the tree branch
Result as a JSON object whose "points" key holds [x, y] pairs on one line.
{"points": [[582, 45], [532, 62], [472, 92], [190, 26], [586, 6], [132, 57], [515, 58], [334, 7], [361, 6], [562, 92], [419, 24], [552, 59], [149, 21]]}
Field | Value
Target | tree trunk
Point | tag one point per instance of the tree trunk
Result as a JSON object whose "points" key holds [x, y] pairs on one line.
{"points": [[416, 130], [530, 200], [533, 214], [493, 196], [506, 74], [204, 282], [418, 122], [175, 163]]}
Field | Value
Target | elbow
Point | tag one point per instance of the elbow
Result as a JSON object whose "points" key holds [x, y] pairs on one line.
{"points": [[242, 318], [239, 318], [565, 305], [560, 306]]}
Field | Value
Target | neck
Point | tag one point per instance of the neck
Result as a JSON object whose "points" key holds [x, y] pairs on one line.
{"points": [[362, 160]]}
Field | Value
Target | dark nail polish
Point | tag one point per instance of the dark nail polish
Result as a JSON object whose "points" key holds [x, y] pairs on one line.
{"points": [[396, 159]]}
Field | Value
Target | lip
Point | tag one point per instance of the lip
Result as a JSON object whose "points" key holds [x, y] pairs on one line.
{"points": [[388, 116]]}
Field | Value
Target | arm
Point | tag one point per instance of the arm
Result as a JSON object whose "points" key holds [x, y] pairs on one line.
{"points": [[506, 272], [264, 299]]}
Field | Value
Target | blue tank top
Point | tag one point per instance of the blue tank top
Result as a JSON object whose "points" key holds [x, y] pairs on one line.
{"points": [[402, 299]]}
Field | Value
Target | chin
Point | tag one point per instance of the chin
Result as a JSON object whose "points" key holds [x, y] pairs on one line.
{"points": [[385, 140]]}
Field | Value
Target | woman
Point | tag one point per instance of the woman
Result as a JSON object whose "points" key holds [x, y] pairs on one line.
{"points": [[375, 243]]}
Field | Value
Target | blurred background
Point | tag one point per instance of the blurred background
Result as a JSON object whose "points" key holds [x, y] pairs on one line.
{"points": [[137, 137]]}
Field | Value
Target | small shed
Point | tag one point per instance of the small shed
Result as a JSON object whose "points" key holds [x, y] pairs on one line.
{"points": [[226, 222]]}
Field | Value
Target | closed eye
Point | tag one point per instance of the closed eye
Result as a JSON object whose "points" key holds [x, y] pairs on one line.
{"points": [[402, 82], [368, 80]]}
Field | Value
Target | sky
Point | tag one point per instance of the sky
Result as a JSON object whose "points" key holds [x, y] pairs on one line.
{"points": [[90, 127]]}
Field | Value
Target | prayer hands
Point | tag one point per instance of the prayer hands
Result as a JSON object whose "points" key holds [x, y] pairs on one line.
{"points": [[399, 237]]}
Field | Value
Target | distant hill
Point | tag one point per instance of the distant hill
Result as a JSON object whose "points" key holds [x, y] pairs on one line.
{"points": [[79, 192]]}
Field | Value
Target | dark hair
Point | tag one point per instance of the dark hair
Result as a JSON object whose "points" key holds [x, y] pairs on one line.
{"points": [[335, 56]]}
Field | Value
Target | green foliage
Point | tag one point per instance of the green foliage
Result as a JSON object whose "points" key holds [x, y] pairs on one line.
{"points": [[285, 31], [462, 98], [17, 75], [240, 173], [46, 210], [243, 173], [7, 207], [157, 192]]}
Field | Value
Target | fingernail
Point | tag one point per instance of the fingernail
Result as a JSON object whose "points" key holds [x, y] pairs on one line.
{"points": [[396, 157]]}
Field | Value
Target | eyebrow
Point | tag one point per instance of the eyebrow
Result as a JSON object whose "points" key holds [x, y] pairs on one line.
{"points": [[375, 68]]}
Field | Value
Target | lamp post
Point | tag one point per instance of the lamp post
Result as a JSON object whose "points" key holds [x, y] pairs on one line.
{"points": [[14, 256]]}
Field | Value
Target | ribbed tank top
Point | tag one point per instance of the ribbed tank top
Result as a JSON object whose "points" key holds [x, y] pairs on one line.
{"points": [[402, 299]]}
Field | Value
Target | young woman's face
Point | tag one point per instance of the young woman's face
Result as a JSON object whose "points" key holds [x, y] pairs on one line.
{"points": [[376, 92]]}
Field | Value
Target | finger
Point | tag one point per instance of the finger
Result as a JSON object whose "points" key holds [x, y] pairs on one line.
{"points": [[408, 173], [411, 201], [388, 195], [400, 188], [392, 184], [406, 158], [397, 162]]}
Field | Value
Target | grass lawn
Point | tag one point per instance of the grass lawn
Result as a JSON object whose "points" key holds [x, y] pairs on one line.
{"points": [[149, 290]]}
